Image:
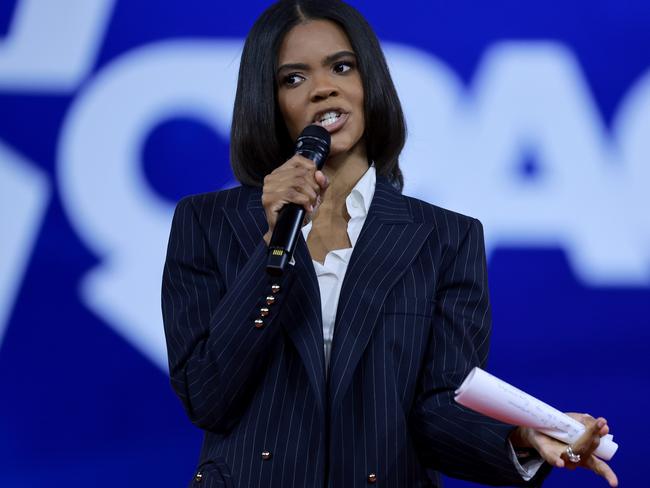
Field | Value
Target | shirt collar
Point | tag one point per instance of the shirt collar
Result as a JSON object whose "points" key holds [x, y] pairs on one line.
{"points": [[359, 199]]}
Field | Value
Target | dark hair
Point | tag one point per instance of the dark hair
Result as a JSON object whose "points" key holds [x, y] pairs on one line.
{"points": [[259, 141]]}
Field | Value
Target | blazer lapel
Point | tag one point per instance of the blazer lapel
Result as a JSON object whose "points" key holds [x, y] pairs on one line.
{"points": [[302, 319], [388, 243]]}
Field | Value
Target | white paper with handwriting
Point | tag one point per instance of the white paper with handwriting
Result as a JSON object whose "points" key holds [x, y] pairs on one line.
{"points": [[487, 394]]}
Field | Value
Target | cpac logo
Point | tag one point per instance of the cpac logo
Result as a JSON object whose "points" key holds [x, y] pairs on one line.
{"points": [[528, 100]]}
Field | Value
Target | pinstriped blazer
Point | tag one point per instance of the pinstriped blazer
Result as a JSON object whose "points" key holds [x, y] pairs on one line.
{"points": [[413, 319]]}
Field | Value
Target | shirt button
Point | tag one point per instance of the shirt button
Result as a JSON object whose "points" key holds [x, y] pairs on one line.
{"points": [[264, 311], [372, 478], [266, 455], [270, 300], [198, 477], [275, 288], [259, 323]]}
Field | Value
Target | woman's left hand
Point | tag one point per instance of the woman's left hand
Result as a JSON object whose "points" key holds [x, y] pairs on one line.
{"points": [[554, 452]]}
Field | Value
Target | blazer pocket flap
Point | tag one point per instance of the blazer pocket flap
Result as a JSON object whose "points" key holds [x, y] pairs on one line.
{"points": [[409, 306]]}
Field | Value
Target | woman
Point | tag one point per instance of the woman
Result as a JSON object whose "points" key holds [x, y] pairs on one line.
{"points": [[313, 379]]}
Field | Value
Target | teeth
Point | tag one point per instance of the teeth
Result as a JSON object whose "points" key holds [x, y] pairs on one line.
{"points": [[329, 118]]}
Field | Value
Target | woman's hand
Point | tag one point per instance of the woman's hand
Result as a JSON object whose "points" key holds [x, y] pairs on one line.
{"points": [[554, 452], [296, 181]]}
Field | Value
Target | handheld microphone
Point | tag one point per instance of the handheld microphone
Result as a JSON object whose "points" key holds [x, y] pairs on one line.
{"points": [[313, 143]]}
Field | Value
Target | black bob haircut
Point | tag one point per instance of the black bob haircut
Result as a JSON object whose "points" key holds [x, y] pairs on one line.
{"points": [[259, 140]]}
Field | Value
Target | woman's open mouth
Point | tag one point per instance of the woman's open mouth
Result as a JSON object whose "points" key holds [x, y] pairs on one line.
{"points": [[331, 120]]}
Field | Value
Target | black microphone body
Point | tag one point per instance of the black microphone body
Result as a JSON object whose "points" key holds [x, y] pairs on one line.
{"points": [[313, 143]]}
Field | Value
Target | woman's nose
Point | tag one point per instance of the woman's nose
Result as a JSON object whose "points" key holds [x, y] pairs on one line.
{"points": [[323, 88]]}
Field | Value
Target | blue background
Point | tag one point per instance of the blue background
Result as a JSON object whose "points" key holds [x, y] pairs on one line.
{"points": [[80, 405]]}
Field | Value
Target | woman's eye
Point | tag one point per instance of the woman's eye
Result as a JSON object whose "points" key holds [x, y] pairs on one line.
{"points": [[342, 67], [292, 79]]}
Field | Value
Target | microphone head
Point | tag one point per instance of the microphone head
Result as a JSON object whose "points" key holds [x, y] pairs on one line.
{"points": [[317, 131], [314, 143]]}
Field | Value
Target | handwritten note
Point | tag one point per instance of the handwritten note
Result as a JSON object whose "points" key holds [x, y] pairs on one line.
{"points": [[487, 394]]}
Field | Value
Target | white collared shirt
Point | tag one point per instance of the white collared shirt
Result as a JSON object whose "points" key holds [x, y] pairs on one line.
{"points": [[330, 274]]}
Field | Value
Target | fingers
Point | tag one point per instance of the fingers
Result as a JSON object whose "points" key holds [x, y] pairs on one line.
{"points": [[588, 420], [322, 180], [590, 439], [296, 181], [588, 443], [553, 458], [568, 464], [555, 452], [601, 468], [550, 449]]}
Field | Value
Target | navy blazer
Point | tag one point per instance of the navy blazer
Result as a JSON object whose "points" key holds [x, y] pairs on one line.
{"points": [[413, 319]]}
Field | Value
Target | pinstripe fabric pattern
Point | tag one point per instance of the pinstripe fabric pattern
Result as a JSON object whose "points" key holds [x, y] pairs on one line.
{"points": [[413, 318]]}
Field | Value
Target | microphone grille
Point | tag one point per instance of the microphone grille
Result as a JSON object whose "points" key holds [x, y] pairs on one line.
{"points": [[316, 132]]}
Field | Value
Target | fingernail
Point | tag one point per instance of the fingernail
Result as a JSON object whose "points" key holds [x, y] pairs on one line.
{"points": [[311, 208]]}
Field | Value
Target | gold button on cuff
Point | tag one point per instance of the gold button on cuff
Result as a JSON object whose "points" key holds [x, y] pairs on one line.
{"points": [[264, 311], [266, 455], [270, 300], [259, 323], [372, 478], [198, 477], [275, 288]]}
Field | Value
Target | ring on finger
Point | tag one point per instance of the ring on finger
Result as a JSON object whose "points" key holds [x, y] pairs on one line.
{"points": [[572, 456]]}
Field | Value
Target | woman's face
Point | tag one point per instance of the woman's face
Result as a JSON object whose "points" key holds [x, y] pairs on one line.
{"points": [[319, 83]]}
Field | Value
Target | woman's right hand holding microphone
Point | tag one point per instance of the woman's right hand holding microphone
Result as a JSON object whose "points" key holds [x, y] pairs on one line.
{"points": [[296, 181]]}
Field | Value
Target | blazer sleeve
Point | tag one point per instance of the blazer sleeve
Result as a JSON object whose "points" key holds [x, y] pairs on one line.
{"points": [[449, 437], [214, 348]]}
